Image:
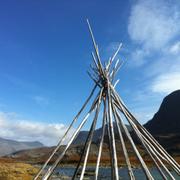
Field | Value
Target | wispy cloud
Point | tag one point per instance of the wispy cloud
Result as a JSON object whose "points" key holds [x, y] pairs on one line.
{"points": [[26, 130], [41, 100], [153, 23], [166, 83], [153, 26], [175, 48], [138, 55]]}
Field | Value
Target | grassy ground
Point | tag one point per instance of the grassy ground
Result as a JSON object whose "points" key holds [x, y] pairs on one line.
{"points": [[10, 170]]}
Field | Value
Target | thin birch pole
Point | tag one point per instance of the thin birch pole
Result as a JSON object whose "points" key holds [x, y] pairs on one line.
{"points": [[131, 175], [95, 62], [94, 69], [110, 144], [114, 155], [168, 158], [80, 160], [96, 81], [51, 169], [64, 136], [159, 160], [138, 155], [164, 156], [96, 48], [148, 149], [115, 84], [112, 75], [162, 151], [84, 150], [115, 54], [91, 135], [83, 153], [152, 155], [101, 142], [113, 57]]}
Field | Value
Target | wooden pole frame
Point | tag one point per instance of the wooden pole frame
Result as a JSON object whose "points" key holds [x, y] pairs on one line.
{"points": [[114, 107]]}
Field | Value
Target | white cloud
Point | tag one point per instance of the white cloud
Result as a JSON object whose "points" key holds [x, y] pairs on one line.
{"points": [[166, 83], [175, 48], [138, 55], [24, 130], [164, 64], [153, 23], [154, 27]]}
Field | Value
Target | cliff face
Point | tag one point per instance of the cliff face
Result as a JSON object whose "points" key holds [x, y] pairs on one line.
{"points": [[167, 119]]}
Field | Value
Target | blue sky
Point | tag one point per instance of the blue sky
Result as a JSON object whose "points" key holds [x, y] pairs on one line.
{"points": [[45, 51]]}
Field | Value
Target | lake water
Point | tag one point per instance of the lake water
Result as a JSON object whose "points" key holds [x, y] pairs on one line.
{"points": [[105, 173]]}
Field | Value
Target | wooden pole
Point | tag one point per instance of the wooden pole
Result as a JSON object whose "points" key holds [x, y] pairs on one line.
{"points": [[110, 144], [144, 167], [101, 142], [82, 154], [95, 62], [131, 175], [96, 48], [115, 84], [114, 155], [64, 136], [51, 169], [146, 146], [148, 149], [91, 136], [113, 57], [167, 157]]}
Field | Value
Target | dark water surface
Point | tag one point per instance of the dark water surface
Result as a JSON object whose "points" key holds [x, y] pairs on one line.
{"points": [[105, 173]]}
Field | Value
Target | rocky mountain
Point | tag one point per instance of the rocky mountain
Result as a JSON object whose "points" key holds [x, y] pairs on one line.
{"points": [[167, 119], [9, 146]]}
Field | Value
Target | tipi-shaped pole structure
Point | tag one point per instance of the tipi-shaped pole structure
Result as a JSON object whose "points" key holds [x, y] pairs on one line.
{"points": [[114, 111]]}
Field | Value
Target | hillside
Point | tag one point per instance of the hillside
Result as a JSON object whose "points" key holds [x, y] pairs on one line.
{"points": [[167, 119], [165, 125], [9, 146], [40, 155]]}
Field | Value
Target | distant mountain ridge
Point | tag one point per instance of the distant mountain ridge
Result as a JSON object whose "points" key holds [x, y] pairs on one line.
{"points": [[10, 146], [81, 138], [167, 119], [164, 126]]}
